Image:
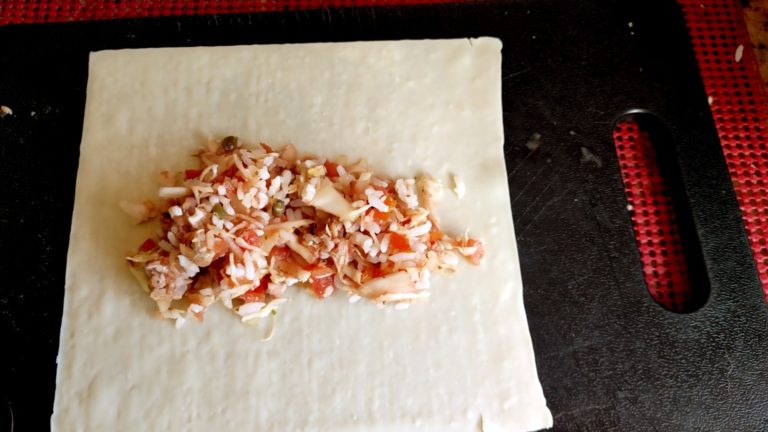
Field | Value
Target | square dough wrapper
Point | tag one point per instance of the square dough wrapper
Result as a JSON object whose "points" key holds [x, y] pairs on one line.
{"points": [[462, 359]]}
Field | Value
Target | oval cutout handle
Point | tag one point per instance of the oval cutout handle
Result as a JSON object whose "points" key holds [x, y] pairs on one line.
{"points": [[668, 244]]}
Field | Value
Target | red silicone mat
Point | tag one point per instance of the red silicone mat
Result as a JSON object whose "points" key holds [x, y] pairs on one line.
{"points": [[730, 77], [653, 218], [738, 102]]}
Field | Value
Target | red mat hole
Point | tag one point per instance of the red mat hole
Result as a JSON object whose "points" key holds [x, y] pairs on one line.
{"points": [[654, 220]]}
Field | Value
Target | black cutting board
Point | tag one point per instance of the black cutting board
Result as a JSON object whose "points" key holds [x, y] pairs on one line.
{"points": [[608, 356]]}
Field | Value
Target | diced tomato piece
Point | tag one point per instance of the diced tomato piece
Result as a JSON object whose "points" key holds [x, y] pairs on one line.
{"points": [[380, 217], [321, 279], [263, 285], [266, 148], [435, 235], [148, 245], [257, 293], [229, 172], [251, 237], [192, 173], [331, 169], [321, 284], [386, 268], [280, 253], [372, 272], [398, 243], [320, 270], [476, 257], [377, 271], [220, 248]]}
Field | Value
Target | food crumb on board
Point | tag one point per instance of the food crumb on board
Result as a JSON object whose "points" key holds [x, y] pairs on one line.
{"points": [[710, 99], [630, 24], [458, 186], [588, 156], [4, 111], [739, 53], [534, 141], [629, 207]]}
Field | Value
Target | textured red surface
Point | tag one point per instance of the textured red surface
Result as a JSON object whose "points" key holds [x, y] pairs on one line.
{"points": [[738, 107], [26, 11], [653, 218]]}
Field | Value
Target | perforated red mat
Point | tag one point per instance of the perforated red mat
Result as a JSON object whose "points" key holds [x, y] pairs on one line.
{"points": [[730, 76], [738, 102], [740, 109], [653, 218]]}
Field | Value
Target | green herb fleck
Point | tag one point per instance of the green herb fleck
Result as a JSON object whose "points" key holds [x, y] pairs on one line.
{"points": [[278, 207], [218, 210]]}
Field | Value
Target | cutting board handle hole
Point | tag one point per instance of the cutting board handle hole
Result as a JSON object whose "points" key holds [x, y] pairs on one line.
{"points": [[669, 248]]}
